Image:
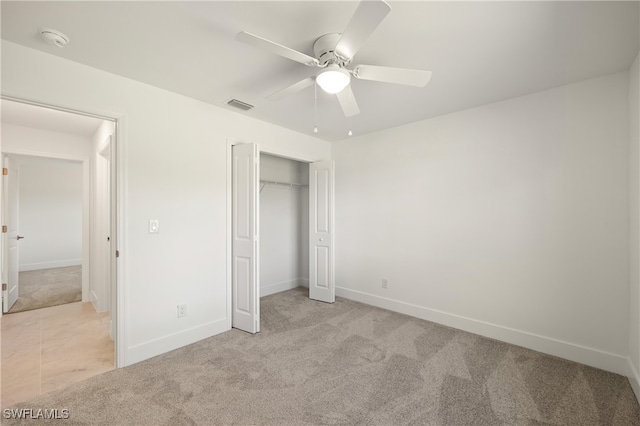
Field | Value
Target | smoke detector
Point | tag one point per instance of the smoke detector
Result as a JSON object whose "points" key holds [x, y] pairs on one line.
{"points": [[54, 37]]}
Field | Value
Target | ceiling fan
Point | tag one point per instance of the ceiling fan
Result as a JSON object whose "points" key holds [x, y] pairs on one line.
{"points": [[333, 54]]}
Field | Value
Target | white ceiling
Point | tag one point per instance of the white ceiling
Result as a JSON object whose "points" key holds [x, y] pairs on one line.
{"points": [[25, 115], [479, 52]]}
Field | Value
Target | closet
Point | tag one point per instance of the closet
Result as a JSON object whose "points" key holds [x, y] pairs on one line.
{"points": [[281, 229], [284, 224]]}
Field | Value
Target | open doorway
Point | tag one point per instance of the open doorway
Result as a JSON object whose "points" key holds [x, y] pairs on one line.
{"points": [[245, 229], [43, 213], [60, 166]]}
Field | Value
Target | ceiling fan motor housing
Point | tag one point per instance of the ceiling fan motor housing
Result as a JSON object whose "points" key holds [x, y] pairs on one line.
{"points": [[324, 49]]}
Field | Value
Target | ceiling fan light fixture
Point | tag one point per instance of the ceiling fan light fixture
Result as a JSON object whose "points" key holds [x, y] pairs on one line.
{"points": [[333, 79]]}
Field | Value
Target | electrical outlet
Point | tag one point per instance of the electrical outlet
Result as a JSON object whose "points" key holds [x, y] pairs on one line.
{"points": [[385, 283], [182, 311]]}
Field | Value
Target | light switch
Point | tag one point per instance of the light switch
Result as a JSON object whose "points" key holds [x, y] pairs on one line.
{"points": [[154, 226]]}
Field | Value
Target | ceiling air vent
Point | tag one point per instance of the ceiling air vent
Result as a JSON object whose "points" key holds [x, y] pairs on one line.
{"points": [[239, 104]]}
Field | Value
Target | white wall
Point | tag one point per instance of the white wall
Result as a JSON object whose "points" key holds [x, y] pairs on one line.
{"points": [[634, 213], [284, 230], [50, 213], [508, 220], [32, 141], [173, 159]]}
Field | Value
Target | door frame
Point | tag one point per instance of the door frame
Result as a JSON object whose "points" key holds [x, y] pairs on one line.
{"points": [[118, 209], [263, 148]]}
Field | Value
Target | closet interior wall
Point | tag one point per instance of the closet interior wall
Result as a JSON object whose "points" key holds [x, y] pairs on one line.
{"points": [[284, 224]]}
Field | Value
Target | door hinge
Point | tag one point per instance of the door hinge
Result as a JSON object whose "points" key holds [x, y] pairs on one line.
{"points": [[117, 253], [4, 286], [5, 229], [5, 171]]}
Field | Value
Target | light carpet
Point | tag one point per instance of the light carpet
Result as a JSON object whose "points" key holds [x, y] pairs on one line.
{"points": [[351, 364], [48, 287]]}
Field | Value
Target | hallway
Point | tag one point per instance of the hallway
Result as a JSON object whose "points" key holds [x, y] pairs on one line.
{"points": [[50, 348]]}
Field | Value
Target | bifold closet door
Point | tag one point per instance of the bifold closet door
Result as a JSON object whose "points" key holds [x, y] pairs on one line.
{"points": [[321, 234], [245, 210]]}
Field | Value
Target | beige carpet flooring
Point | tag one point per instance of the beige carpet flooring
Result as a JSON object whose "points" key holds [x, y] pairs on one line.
{"points": [[48, 287], [349, 364]]}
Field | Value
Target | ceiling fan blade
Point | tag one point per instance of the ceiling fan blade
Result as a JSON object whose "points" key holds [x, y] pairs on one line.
{"points": [[348, 102], [276, 48], [409, 77], [296, 87], [364, 21]]}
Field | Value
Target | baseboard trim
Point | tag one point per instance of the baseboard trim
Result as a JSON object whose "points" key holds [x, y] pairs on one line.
{"points": [[173, 341], [634, 378], [570, 351], [94, 300], [49, 265], [283, 286]]}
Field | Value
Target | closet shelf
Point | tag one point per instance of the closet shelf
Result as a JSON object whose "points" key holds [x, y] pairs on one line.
{"points": [[273, 182]]}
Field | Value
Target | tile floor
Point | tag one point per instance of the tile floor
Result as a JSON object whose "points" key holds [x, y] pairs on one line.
{"points": [[46, 349]]}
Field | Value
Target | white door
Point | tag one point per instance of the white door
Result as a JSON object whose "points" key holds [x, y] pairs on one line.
{"points": [[321, 255], [105, 236], [10, 238], [245, 276]]}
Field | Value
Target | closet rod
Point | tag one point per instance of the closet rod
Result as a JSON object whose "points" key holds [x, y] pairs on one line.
{"points": [[264, 182]]}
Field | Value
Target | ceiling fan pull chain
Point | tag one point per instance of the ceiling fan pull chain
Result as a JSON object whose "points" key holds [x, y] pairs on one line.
{"points": [[315, 108]]}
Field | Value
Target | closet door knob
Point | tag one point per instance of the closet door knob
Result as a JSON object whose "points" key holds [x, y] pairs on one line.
{"points": [[320, 239]]}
